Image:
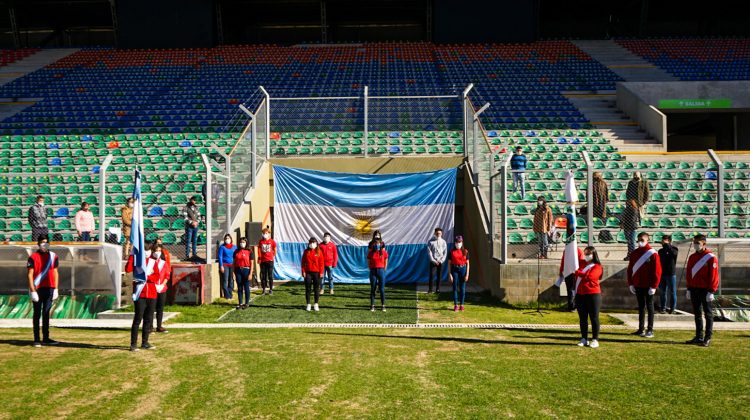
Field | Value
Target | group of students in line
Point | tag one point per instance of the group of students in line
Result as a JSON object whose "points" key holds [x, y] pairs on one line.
{"points": [[237, 263], [647, 269]]}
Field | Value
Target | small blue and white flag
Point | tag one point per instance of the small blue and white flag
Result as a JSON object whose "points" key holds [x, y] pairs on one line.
{"points": [[137, 239]]}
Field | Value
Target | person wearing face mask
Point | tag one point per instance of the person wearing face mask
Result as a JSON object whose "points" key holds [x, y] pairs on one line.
{"points": [[313, 265], [377, 261], [163, 285], [668, 284], [543, 221], [84, 222], [331, 255], [157, 273], [192, 217], [630, 220], [588, 296], [458, 267], [518, 168], [437, 250], [644, 275], [226, 264], [126, 214], [638, 190], [43, 279], [243, 267], [266, 254], [702, 274], [38, 219]]}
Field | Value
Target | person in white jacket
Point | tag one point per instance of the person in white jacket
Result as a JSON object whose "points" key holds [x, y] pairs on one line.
{"points": [[437, 249]]}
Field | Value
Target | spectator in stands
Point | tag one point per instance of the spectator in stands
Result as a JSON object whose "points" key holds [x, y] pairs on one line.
{"points": [[600, 196], [518, 168], [638, 190], [458, 267], [157, 271], [588, 296], [570, 280], [43, 279], [630, 221], [215, 195], [38, 219], [226, 266], [243, 267], [668, 283], [377, 261], [126, 214], [437, 250], [192, 220], [266, 254], [84, 222], [702, 273], [543, 221], [331, 254], [644, 274], [313, 265], [161, 253]]}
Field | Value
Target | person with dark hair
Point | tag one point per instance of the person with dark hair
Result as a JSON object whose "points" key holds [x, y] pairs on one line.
{"points": [[377, 261], [644, 274], [630, 220], [161, 295], [702, 274], [600, 196], [38, 219], [157, 271], [226, 265], [668, 284], [518, 168], [313, 265], [192, 217], [331, 255], [84, 222], [458, 267], [570, 280], [638, 190], [243, 267], [437, 250], [43, 279], [543, 221], [266, 254], [126, 214], [588, 296]]}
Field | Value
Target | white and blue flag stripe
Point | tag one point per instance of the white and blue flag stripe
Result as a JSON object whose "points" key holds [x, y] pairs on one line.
{"points": [[137, 240]]}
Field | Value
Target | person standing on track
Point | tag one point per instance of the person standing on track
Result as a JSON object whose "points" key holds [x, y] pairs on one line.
{"points": [[43, 281], [644, 274], [243, 267], [377, 261], [702, 273], [313, 265], [458, 267], [588, 296], [331, 255]]}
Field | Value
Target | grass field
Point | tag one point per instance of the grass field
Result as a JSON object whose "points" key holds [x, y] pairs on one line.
{"points": [[373, 373]]}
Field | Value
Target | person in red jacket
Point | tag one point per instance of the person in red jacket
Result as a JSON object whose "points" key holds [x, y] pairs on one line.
{"points": [[243, 267], [458, 267], [588, 296], [43, 281], [313, 264], [331, 255], [266, 254], [570, 280], [644, 274], [157, 273], [702, 274], [377, 261]]}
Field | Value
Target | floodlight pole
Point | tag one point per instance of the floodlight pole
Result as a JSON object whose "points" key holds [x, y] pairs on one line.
{"points": [[267, 127], [464, 98], [719, 190]]}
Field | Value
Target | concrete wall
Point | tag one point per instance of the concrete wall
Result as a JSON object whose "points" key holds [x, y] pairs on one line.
{"points": [[645, 114], [651, 92]]}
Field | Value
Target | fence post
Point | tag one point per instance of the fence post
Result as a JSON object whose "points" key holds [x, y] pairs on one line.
{"points": [[267, 127], [102, 197], [475, 139], [367, 118], [503, 174], [589, 198], [719, 190], [465, 108], [209, 233]]}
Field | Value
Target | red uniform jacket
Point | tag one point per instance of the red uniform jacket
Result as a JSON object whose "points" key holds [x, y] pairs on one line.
{"points": [[648, 274], [588, 280], [581, 262], [266, 250], [37, 261], [703, 274], [458, 257], [313, 261], [377, 259], [330, 253], [243, 258]]}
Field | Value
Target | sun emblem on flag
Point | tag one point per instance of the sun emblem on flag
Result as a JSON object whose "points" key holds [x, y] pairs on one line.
{"points": [[363, 224]]}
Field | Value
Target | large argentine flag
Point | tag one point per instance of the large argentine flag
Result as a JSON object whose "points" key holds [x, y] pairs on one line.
{"points": [[138, 250], [406, 208]]}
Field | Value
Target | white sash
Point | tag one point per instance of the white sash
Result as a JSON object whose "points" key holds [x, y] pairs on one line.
{"points": [[585, 270], [45, 270], [697, 267], [643, 259]]}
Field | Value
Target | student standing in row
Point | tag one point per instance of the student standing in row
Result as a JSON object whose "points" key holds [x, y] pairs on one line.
{"points": [[159, 252], [458, 267], [157, 270], [437, 250], [588, 296], [644, 274], [313, 265], [226, 265], [331, 256], [243, 267], [702, 273], [43, 281], [266, 254], [377, 261], [668, 284]]}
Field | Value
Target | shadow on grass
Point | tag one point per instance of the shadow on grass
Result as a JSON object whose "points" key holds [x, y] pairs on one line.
{"points": [[486, 299], [28, 343], [454, 339], [323, 306]]}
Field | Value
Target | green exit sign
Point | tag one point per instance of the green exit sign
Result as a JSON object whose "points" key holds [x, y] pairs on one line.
{"points": [[695, 103]]}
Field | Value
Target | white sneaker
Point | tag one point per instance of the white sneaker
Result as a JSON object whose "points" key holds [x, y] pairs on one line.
{"points": [[594, 344], [316, 307], [583, 343], [308, 307]]}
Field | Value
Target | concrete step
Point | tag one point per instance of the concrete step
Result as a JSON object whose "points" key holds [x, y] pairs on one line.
{"points": [[620, 60]]}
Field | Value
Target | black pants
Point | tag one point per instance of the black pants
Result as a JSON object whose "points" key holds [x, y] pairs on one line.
{"points": [[588, 308], [42, 310], [436, 271], [161, 300], [312, 284], [698, 299], [144, 311], [570, 285], [645, 303], [266, 275]]}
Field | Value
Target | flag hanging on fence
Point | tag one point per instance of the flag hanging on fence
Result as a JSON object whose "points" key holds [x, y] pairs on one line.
{"points": [[137, 240], [405, 208], [570, 265]]}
